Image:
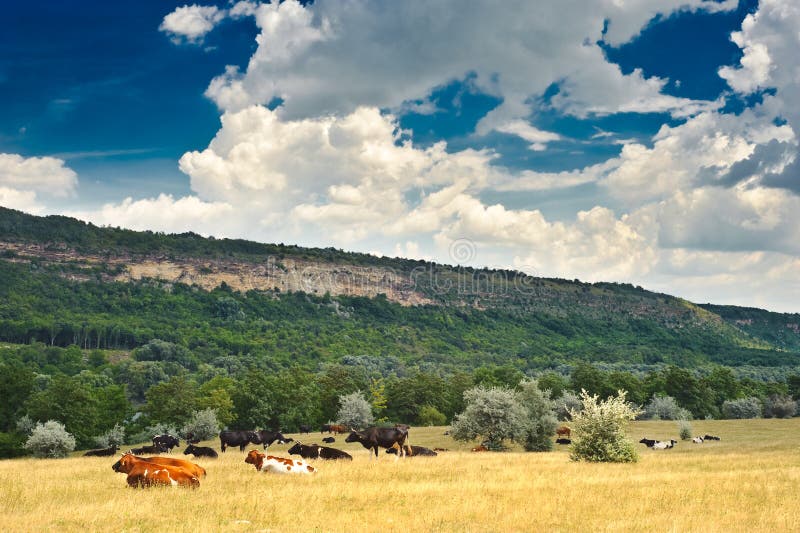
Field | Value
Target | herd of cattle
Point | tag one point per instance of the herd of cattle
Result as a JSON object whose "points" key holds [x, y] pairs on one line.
{"points": [[157, 470]]}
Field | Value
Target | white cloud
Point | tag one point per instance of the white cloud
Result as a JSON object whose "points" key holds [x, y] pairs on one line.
{"points": [[524, 130], [191, 23], [20, 200], [47, 175]]}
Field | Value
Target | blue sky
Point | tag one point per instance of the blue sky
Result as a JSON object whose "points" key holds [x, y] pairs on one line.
{"points": [[652, 144]]}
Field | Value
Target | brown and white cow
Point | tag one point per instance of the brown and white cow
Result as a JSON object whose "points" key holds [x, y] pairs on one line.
{"points": [[144, 473], [193, 468], [278, 465]]}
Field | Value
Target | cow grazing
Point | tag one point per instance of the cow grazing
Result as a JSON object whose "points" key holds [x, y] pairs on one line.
{"points": [[480, 448], [697, 440], [305, 428], [710, 437], [313, 451], [648, 442], [145, 473], [564, 431], [411, 451], [240, 438], [148, 449], [375, 437], [102, 452], [329, 440], [200, 451], [187, 465], [278, 465], [563, 441], [268, 437], [165, 441]]}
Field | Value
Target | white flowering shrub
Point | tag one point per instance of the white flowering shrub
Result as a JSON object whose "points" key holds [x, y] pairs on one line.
{"points": [[599, 430], [50, 440], [203, 425], [665, 408], [355, 411], [742, 408]]}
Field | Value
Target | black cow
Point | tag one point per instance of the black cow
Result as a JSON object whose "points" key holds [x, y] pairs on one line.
{"points": [[102, 452], [268, 437], [375, 437], [648, 442], [414, 450], [563, 441], [240, 438], [329, 439], [147, 450], [314, 451], [305, 428], [200, 451], [710, 437], [166, 441], [324, 428], [191, 438]]}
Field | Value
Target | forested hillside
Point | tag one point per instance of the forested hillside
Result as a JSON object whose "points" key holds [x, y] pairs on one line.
{"points": [[101, 323]]}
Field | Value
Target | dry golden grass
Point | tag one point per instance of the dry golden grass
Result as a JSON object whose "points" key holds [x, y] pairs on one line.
{"points": [[746, 482]]}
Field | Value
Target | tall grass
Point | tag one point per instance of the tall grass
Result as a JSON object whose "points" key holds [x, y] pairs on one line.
{"points": [[746, 482]]}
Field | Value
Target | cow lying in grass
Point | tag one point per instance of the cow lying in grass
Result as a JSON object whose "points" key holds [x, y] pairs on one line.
{"points": [[103, 452], [414, 450], [563, 441], [200, 451], [187, 465], [314, 451], [278, 465], [664, 445], [697, 440], [710, 437], [144, 473], [648, 442]]}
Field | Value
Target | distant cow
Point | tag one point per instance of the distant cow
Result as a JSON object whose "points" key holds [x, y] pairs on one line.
{"points": [[648, 442], [710, 437], [664, 445], [268, 437], [278, 465], [148, 449], [313, 451], [337, 428], [697, 440], [305, 428], [564, 431], [145, 473], [200, 451], [240, 438], [480, 448], [329, 440], [563, 441], [102, 452], [193, 468], [165, 441], [375, 437], [411, 451]]}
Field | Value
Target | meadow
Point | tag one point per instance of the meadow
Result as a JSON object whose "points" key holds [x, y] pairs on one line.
{"points": [[746, 482]]}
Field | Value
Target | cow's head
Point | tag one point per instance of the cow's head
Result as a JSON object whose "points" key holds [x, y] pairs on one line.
{"points": [[296, 448], [125, 463], [255, 458], [354, 436], [189, 449]]}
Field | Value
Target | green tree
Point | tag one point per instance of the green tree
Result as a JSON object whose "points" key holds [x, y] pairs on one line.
{"points": [[554, 382], [540, 420], [587, 377], [16, 385], [68, 401], [172, 402], [498, 376]]}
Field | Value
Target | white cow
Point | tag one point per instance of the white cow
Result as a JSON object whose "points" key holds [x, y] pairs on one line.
{"points": [[278, 465]]}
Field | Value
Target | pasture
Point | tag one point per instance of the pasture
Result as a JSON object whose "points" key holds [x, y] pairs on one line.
{"points": [[746, 482]]}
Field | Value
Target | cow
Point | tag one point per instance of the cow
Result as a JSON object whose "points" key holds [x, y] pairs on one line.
{"points": [[324, 428], [277, 465], [710, 437], [375, 437], [648, 442], [329, 440], [304, 428], [564, 431], [480, 448], [187, 465], [563, 441], [191, 438], [697, 440], [165, 441], [412, 450], [200, 451], [148, 449], [337, 428], [237, 438], [145, 473], [268, 437], [664, 445], [313, 451], [102, 452]]}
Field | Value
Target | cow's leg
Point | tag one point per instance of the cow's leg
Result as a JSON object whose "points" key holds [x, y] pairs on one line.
{"points": [[222, 445], [242, 446]]}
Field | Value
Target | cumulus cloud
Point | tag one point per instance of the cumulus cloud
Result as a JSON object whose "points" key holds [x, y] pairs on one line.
{"points": [[191, 23], [47, 175]]}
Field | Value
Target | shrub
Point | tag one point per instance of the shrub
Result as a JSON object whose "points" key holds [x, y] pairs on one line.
{"points": [[11, 445], [599, 430], [431, 416], [566, 403], [25, 425], [779, 407], [50, 440], [492, 413], [541, 419], [685, 429], [203, 425], [115, 435], [665, 408], [355, 411], [742, 408]]}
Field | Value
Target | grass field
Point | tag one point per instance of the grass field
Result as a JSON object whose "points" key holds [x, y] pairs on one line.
{"points": [[747, 482]]}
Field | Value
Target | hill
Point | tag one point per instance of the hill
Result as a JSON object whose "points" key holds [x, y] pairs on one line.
{"points": [[63, 281]]}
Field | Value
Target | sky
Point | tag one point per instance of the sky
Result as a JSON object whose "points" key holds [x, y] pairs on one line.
{"points": [[650, 142]]}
